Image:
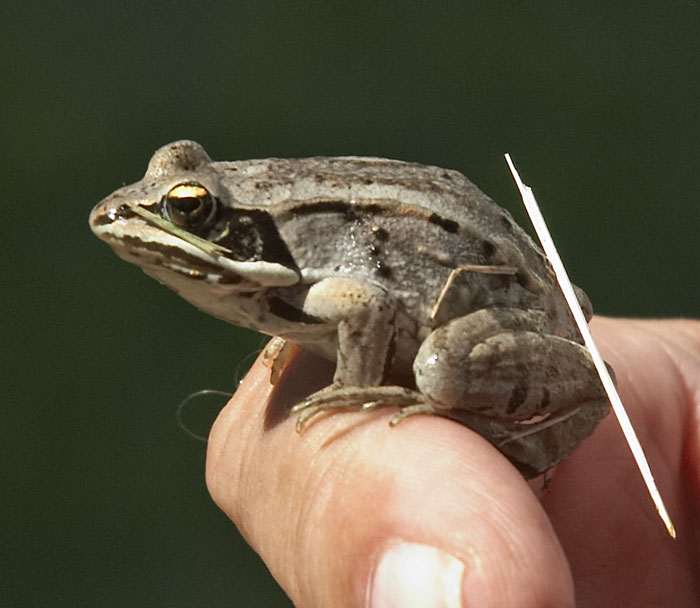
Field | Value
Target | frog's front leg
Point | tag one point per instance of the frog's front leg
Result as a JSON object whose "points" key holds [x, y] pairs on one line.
{"points": [[533, 395], [363, 314]]}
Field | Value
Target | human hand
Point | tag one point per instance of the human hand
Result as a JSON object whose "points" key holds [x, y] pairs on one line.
{"points": [[355, 513]]}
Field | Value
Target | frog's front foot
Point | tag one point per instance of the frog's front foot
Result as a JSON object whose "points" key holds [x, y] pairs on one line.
{"points": [[336, 397]]}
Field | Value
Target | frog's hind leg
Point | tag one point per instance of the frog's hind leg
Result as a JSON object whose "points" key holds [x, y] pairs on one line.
{"points": [[533, 395], [335, 398]]}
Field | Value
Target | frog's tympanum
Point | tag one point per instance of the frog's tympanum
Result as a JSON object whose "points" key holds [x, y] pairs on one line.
{"points": [[426, 294]]}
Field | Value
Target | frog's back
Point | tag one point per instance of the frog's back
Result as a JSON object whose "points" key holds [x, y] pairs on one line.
{"points": [[273, 180], [268, 182], [446, 198]]}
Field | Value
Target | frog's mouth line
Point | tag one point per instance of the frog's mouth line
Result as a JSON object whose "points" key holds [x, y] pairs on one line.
{"points": [[176, 260]]}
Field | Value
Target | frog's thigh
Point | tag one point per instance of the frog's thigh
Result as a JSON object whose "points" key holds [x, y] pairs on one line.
{"points": [[364, 315], [496, 363]]}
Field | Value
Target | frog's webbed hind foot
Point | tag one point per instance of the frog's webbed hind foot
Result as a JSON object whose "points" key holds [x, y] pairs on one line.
{"points": [[334, 398]]}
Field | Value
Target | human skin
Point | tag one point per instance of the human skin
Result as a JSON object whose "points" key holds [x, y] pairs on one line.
{"points": [[450, 514]]}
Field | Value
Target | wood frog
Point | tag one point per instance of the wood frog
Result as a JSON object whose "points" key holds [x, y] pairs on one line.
{"points": [[426, 293]]}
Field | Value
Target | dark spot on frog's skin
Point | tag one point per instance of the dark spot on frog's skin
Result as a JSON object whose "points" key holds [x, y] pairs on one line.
{"points": [[488, 249], [351, 215], [448, 225], [506, 222], [545, 399], [357, 335], [322, 178], [382, 269], [124, 212], [522, 279], [447, 176], [517, 398], [380, 234], [264, 185], [229, 280]]}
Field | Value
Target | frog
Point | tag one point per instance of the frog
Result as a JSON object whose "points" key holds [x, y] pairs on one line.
{"points": [[426, 294]]}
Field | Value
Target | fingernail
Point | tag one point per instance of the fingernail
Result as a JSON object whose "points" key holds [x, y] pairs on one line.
{"points": [[411, 575]]}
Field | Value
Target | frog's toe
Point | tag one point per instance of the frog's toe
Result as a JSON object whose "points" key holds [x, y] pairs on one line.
{"points": [[411, 410], [355, 397], [327, 399], [304, 415]]}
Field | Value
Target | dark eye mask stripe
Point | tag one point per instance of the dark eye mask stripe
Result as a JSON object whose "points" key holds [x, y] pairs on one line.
{"points": [[253, 236]]}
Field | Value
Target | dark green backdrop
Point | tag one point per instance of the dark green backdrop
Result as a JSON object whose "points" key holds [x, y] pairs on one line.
{"points": [[103, 497]]}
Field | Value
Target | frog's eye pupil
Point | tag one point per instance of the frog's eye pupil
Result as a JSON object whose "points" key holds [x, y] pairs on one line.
{"points": [[189, 205]]}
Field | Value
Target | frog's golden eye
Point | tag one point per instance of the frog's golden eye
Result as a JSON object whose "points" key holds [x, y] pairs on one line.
{"points": [[189, 205]]}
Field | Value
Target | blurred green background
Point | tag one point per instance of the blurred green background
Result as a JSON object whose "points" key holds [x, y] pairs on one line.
{"points": [[103, 500]]}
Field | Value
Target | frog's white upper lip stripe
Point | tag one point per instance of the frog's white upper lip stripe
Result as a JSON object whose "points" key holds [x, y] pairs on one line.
{"points": [[171, 246], [158, 253]]}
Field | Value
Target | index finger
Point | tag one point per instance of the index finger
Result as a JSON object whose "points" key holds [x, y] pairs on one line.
{"points": [[355, 513]]}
